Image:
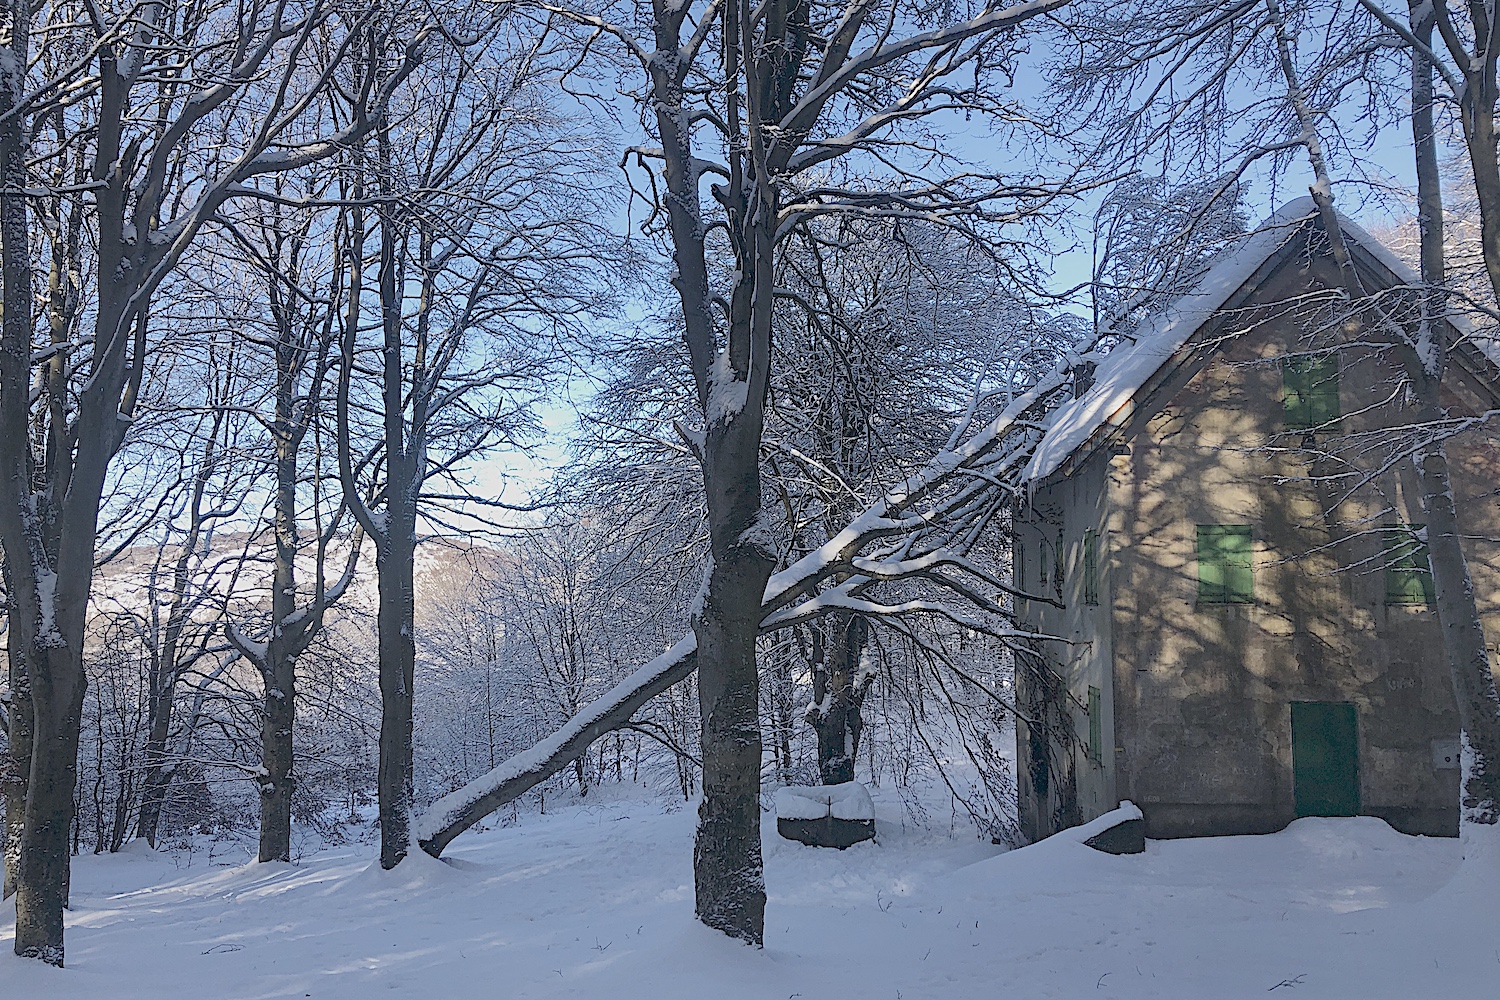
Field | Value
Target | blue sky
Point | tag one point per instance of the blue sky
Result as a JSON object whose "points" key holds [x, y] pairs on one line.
{"points": [[1370, 191]]}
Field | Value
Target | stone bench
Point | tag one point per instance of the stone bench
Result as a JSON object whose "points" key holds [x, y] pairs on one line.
{"points": [[825, 815]]}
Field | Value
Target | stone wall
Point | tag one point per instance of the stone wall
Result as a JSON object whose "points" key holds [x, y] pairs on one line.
{"points": [[1199, 707]]}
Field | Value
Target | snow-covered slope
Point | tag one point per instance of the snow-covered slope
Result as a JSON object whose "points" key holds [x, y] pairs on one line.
{"points": [[596, 901]]}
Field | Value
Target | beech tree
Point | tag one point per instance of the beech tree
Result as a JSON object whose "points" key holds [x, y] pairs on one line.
{"points": [[135, 91], [795, 110], [882, 330], [476, 196], [169, 609], [299, 331]]}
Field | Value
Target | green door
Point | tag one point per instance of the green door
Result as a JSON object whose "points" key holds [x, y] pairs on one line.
{"points": [[1325, 758]]}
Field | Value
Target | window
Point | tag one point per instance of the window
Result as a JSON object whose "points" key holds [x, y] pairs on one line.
{"points": [[1091, 567], [1310, 390], [1043, 558], [1408, 576], [1057, 566], [1096, 726], [1020, 568], [1225, 554]]}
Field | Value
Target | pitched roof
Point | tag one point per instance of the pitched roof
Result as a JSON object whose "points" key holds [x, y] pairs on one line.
{"points": [[1109, 402]]}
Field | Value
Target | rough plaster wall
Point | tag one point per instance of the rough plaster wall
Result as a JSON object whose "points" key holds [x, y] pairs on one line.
{"points": [[1202, 692], [1074, 505]]}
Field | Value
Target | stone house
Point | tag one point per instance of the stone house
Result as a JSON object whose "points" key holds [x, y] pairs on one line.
{"points": [[1221, 532]]}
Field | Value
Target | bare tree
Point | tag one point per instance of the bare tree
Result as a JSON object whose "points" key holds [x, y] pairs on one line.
{"points": [[181, 576], [299, 331], [141, 87], [1465, 61], [920, 531], [794, 108], [474, 220], [882, 330]]}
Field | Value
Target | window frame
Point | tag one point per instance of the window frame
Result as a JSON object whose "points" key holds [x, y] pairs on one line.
{"points": [[1091, 567], [1233, 565], [1412, 570], [1310, 391]]}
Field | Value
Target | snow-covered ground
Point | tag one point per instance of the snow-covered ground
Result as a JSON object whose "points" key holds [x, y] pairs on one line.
{"points": [[595, 900]]}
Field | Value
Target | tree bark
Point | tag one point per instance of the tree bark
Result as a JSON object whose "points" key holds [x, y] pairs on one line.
{"points": [[1463, 634], [394, 531], [395, 569], [727, 865], [15, 769], [160, 699], [838, 698], [41, 889], [1463, 644], [279, 713], [276, 780]]}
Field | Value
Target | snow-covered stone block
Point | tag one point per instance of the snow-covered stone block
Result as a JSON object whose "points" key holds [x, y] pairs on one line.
{"points": [[826, 815], [1119, 831]]}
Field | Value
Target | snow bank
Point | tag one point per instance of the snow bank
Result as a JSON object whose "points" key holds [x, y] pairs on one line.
{"points": [[596, 900], [1474, 891], [418, 872], [849, 800]]}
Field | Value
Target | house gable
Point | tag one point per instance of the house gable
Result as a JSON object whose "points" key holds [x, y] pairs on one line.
{"points": [[1197, 695], [1232, 298]]}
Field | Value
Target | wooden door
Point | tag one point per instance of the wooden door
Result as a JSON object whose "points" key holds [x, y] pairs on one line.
{"points": [[1325, 758]]}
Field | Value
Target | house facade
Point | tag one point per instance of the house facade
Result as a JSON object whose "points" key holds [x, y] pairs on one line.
{"points": [[1222, 543]]}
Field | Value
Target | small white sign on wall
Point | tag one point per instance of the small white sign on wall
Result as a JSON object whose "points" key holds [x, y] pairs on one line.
{"points": [[1445, 754]]}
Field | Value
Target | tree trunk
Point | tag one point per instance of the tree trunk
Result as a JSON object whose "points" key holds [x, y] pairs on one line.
{"points": [[1478, 117], [42, 887], [727, 866], [1463, 634], [1463, 644], [838, 698], [158, 775], [461, 809], [277, 782], [397, 664], [278, 720], [48, 530], [15, 769], [730, 889]]}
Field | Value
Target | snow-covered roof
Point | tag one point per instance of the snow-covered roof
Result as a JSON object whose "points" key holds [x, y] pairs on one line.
{"points": [[1126, 369]]}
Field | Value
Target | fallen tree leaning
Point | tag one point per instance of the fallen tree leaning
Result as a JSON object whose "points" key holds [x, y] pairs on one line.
{"points": [[959, 486]]}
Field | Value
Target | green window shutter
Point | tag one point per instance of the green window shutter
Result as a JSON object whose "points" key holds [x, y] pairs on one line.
{"points": [[1091, 567], [1057, 566], [1310, 390], [1020, 568], [1096, 725], [1225, 564], [1408, 575]]}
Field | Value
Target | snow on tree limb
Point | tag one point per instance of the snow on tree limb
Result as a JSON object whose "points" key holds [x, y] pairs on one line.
{"points": [[460, 809], [1002, 447]]}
